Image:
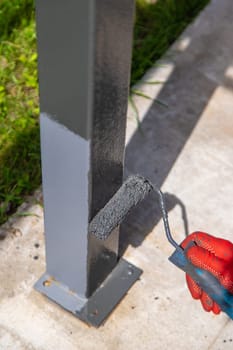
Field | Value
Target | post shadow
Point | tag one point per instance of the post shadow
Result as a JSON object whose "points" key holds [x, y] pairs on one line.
{"points": [[142, 219], [153, 150]]}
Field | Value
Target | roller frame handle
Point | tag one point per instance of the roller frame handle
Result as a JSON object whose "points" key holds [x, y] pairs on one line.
{"points": [[209, 283]]}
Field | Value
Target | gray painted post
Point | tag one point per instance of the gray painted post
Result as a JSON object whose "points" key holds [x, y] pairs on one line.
{"points": [[84, 50]]}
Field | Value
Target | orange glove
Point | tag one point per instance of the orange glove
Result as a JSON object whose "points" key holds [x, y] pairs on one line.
{"points": [[214, 255]]}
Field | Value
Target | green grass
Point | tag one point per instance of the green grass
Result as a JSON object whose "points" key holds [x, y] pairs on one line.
{"points": [[19, 129], [156, 27], [14, 13]]}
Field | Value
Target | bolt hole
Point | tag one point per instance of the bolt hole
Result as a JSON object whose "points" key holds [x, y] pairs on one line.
{"points": [[95, 313], [130, 272], [47, 283]]}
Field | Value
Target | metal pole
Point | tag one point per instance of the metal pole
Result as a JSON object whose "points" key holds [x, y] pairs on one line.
{"points": [[84, 50]]}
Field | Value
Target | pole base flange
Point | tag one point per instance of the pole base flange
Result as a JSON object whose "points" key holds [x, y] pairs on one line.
{"points": [[97, 308]]}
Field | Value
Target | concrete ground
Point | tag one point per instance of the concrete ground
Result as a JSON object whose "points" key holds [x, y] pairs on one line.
{"points": [[187, 149]]}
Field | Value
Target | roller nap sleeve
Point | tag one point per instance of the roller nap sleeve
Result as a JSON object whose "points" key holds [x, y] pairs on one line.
{"points": [[133, 191]]}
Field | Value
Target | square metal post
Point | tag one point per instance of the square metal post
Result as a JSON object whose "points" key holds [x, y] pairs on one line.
{"points": [[84, 50]]}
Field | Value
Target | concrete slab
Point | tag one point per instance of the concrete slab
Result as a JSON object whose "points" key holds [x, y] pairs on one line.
{"points": [[224, 340], [185, 148]]}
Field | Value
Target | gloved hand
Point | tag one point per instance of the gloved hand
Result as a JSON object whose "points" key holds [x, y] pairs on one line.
{"points": [[214, 255]]}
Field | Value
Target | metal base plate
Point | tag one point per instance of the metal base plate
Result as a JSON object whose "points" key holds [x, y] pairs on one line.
{"points": [[97, 308]]}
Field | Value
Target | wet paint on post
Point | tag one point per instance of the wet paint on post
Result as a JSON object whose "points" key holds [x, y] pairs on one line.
{"points": [[84, 51]]}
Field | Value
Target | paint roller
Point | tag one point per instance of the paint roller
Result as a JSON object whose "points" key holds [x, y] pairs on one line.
{"points": [[129, 195]]}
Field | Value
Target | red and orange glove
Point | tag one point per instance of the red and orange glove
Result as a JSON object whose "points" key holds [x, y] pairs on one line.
{"points": [[214, 255]]}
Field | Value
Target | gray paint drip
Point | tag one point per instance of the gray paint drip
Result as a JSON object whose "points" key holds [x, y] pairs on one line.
{"points": [[65, 167]]}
